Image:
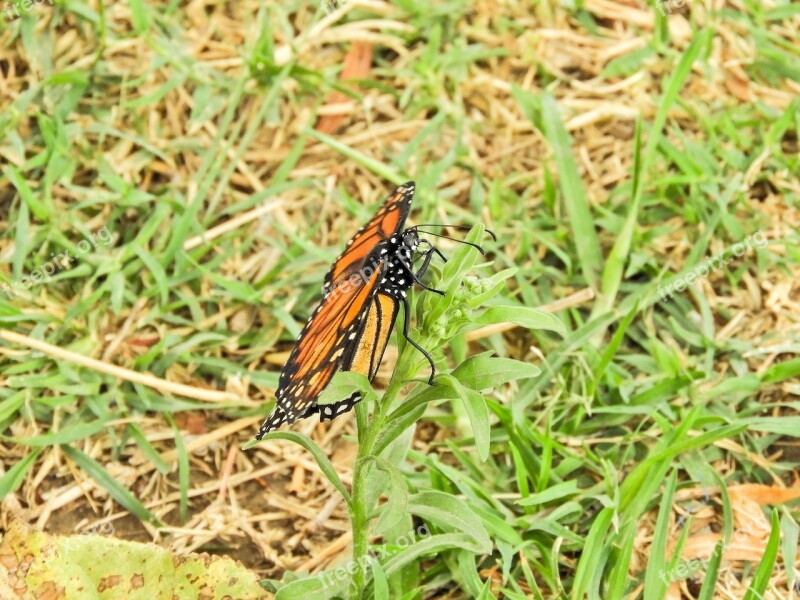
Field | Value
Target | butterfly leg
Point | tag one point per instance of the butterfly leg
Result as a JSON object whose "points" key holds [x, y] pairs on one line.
{"points": [[428, 254], [416, 279], [406, 323], [438, 253]]}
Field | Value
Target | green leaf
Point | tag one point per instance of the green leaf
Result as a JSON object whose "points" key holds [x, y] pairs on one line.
{"points": [[450, 513], [376, 166], [477, 413], [619, 578], [147, 449], [324, 464], [324, 586], [40, 210], [396, 506], [139, 16], [475, 405], [65, 435], [482, 372], [21, 235], [156, 270], [397, 422], [619, 255], [789, 546], [561, 490], [379, 583], [432, 544], [102, 567], [611, 350], [787, 425], [411, 410], [782, 371], [342, 385], [524, 316], [10, 405], [183, 472]]}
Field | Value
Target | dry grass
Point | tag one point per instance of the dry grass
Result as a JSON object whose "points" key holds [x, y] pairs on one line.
{"points": [[136, 136]]}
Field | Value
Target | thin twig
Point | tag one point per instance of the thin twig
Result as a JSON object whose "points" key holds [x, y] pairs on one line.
{"points": [[232, 224], [162, 385], [111, 349], [227, 469], [333, 549]]}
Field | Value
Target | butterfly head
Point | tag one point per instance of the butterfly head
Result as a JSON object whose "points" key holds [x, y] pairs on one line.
{"points": [[410, 240]]}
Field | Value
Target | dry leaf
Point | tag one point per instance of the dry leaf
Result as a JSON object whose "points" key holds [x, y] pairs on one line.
{"points": [[191, 422], [356, 66], [764, 494], [742, 546]]}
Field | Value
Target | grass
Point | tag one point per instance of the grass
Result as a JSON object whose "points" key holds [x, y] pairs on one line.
{"points": [[601, 448]]}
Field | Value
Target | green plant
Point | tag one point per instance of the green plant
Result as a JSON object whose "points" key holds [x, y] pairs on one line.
{"points": [[385, 433]]}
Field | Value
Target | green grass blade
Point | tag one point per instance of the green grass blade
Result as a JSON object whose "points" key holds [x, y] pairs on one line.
{"points": [[576, 201], [12, 478], [40, 209], [764, 571], [655, 584], [105, 480], [371, 164], [147, 449], [183, 471], [304, 441], [593, 549], [618, 257], [712, 573]]}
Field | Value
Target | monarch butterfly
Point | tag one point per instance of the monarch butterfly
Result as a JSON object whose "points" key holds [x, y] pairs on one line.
{"points": [[350, 328]]}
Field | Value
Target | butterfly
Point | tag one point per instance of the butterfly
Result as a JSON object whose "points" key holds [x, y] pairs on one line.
{"points": [[362, 295]]}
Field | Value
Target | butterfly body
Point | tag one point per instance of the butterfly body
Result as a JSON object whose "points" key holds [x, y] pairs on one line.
{"points": [[400, 252]]}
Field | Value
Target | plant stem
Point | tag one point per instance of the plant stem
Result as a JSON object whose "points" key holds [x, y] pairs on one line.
{"points": [[360, 524], [367, 434]]}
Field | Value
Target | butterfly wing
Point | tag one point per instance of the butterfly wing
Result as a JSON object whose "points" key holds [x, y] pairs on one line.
{"points": [[350, 328], [366, 354], [388, 221], [328, 337], [373, 337]]}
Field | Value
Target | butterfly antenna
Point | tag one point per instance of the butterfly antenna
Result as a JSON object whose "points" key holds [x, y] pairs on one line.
{"points": [[439, 235], [459, 227]]}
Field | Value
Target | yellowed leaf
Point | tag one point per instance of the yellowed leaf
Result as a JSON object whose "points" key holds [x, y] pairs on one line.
{"points": [[764, 494]]}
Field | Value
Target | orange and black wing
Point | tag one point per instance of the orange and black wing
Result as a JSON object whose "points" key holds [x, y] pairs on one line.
{"points": [[366, 354], [320, 351], [387, 222]]}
